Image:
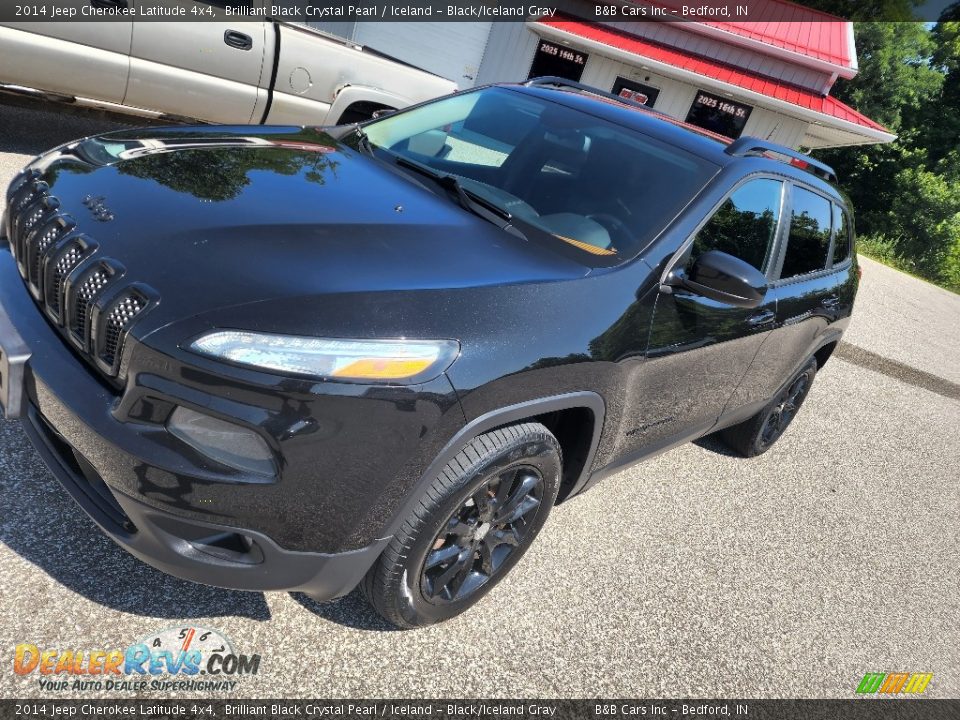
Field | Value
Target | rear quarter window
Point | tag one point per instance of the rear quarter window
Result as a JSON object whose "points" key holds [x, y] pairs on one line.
{"points": [[809, 240], [841, 245]]}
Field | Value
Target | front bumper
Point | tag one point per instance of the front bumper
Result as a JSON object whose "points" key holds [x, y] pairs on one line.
{"points": [[201, 552], [317, 528]]}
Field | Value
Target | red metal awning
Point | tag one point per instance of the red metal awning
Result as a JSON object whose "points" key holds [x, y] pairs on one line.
{"points": [[707, 67], [789, 26]]}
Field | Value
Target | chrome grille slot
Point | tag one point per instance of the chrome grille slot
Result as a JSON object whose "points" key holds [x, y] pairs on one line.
{"points": [[114, 322], [37, 245], [19, 181], [32, 218], [28, 194], [58, 266], [79, 297]]}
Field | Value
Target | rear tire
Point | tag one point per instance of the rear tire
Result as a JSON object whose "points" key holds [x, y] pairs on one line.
{"points": [[471, 526], [756, 435]]}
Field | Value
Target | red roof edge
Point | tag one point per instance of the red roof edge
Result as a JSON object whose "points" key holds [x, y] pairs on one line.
{"points": [[715, 69]]}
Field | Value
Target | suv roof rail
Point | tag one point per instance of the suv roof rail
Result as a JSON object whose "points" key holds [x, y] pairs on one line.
{"points": [[554, 81], [746, 146]]}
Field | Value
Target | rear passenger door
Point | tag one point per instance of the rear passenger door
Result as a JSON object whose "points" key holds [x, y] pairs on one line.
{"points": [[214, 71], [813, 287]]}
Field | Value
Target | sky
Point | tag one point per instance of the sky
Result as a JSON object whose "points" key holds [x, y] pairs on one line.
{"points": [[931, 9]]}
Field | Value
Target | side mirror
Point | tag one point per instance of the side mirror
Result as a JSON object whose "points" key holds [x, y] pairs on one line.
{"points": [[724, 278]]}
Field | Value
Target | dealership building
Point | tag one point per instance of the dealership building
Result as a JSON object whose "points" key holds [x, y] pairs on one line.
{"points": [[768, 77]]}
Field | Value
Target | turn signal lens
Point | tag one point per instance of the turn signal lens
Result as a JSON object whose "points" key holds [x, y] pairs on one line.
{"points": [[406, 361]]}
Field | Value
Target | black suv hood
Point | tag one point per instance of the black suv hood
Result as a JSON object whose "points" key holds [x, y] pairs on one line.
{"points": [[218, 217]]}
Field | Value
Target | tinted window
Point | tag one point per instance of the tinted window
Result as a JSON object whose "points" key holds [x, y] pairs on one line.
{"points": [[841, 246], [745, 225], [809, 240], [564, 175]]}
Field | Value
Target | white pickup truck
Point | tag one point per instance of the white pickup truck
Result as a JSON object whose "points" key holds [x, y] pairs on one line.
{"points": [[260, 72]]}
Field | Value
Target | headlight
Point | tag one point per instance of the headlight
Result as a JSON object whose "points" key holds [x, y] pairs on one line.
{"points": [[402, 361]]}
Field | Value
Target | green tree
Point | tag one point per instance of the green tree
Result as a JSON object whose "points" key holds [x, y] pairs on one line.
{"points": [[888, 10], [907, 193]]}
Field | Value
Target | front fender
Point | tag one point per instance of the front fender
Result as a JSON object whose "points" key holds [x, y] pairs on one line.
{"points": [[350, 94]]}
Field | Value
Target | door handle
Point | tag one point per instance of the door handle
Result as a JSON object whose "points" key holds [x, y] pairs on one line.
{"points": [[110, 3], [761, 318], [830, 302], [238, 40]]}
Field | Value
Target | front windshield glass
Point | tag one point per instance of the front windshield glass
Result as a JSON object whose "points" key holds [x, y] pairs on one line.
{"points": [[601, 188]]}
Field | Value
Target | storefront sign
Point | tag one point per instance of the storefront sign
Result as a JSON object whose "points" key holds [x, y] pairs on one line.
{"points": [[718, 114], [558, 60], [636, 91]]}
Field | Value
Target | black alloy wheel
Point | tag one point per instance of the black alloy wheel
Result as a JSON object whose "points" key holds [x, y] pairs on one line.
{"points": [[784, 411], [481, 534], [469, 527], [757, 434]]}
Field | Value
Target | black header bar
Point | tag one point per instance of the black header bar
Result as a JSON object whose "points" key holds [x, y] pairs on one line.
{"points": [[691, 709], [318, 11]]}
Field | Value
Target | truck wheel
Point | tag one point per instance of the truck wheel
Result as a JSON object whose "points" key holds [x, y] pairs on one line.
{"points": [[754, 436], [469, 528], [360, 111]]}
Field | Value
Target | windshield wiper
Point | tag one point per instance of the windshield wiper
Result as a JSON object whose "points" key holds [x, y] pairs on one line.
{"points": [[475, 203], [363, 141]]}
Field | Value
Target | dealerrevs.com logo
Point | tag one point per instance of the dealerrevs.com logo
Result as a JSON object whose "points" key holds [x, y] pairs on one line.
{"points": [[184, 658]]}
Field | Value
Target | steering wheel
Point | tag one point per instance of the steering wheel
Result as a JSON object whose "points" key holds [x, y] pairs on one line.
{"points": [[620, 235]]}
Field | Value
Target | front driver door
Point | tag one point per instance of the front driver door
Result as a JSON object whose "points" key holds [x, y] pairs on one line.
{"points": [[700, 349]]}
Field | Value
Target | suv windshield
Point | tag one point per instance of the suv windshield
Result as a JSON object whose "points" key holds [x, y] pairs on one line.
{"points": [[599, 187]]}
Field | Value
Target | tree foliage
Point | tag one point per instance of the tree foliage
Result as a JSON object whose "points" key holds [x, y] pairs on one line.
{"points": [[907, 193]]}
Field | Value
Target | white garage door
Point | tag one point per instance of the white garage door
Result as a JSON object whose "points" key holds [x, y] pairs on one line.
{"points": [[452, 50]]}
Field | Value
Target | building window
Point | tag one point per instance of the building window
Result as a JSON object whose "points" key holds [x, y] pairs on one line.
{"points": [[559, 61], [719, 115], [638, 92]]}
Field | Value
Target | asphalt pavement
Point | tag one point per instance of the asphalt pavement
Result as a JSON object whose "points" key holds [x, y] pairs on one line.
{"points": [[697, 574]]}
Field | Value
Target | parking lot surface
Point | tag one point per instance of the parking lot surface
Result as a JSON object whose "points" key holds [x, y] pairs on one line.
{"points": [[697, 574]]}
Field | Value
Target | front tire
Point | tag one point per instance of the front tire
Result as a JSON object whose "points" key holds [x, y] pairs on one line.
{"points": [[757, 434], [472, 525]]}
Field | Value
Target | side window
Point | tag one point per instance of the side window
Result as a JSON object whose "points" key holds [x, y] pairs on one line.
{"points": [[745, 225], [841, 246], [809, 240]]}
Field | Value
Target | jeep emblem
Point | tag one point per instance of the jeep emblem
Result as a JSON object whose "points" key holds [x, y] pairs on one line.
{"points": [[97, 208]]}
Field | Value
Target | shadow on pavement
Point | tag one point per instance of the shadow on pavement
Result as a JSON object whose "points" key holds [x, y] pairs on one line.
{"points": [[716, 445], [351, 611], [30, 127], [41, 523]]}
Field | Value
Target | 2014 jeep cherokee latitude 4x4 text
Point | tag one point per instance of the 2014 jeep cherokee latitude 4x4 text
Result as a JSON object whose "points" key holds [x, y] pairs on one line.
{"points": [[282, 358]]}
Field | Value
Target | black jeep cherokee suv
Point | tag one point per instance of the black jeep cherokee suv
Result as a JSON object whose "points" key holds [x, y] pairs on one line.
{"points": [[280, 358]]}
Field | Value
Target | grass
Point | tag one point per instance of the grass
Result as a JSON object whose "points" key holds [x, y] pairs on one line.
{"points": [[882, 250]]}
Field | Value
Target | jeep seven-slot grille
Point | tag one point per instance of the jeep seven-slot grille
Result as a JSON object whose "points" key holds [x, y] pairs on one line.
{"points": [[83, 293]]}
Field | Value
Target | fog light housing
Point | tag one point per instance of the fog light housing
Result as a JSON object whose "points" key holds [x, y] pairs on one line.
{"points": [[229, 444]]}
